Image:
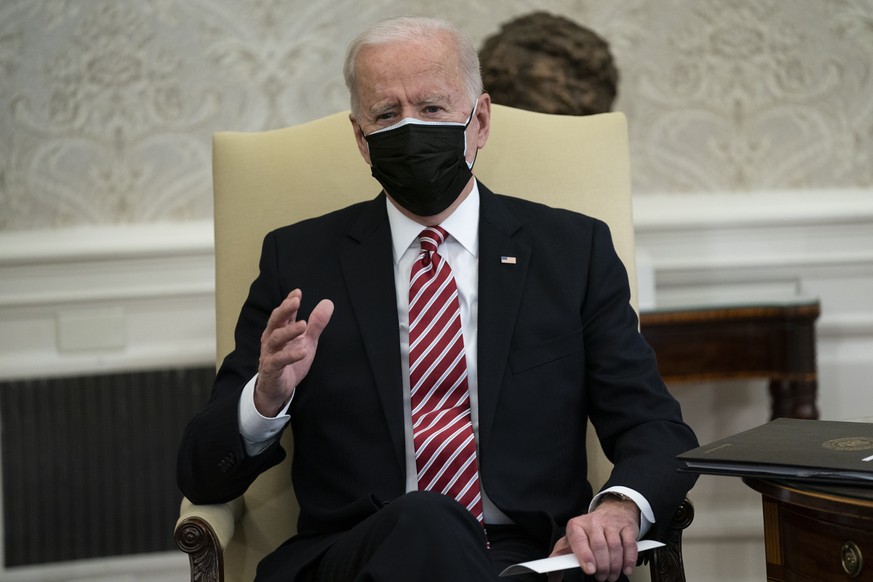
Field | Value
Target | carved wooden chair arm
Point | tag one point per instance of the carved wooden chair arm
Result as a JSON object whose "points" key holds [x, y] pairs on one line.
{"points": [[665, 563], [203, 532]]}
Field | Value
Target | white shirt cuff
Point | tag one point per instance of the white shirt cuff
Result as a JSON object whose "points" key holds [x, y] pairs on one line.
{"points": [[647, 516], [258, 431]]}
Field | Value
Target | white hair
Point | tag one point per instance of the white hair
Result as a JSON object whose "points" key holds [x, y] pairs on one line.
{"points": [[404, 29]]}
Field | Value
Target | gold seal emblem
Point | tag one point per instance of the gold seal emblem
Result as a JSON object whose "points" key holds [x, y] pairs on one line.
{"points": [[849, 444]]}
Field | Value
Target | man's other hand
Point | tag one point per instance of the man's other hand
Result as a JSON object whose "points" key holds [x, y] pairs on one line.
{"points": [[605, 540]]}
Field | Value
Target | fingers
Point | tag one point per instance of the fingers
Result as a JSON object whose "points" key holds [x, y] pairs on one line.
{"points": [[629, 545], [284, 314], [604, 550], [283, 327], [614, 552], [581, 545], [562, 546], [288, 345], [297, 340], [319, 318]]}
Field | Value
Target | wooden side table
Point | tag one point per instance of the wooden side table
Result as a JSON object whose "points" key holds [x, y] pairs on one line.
{"points": [[774, 341], [816, 533]]}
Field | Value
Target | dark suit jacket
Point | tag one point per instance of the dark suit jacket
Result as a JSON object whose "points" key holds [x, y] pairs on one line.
{"points": [[558, 343]]}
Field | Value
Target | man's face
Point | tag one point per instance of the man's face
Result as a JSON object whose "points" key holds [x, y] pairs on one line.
{"points": [[419, 79]]}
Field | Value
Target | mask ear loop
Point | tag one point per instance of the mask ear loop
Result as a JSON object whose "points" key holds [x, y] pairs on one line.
{"points": [[365, 138], [466, 125]]}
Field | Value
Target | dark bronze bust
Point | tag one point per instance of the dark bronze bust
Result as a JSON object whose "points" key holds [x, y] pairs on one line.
{"points": [[546, 63]]}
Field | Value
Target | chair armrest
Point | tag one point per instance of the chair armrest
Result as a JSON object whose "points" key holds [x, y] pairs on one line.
{"points": [[665, 563], [203, 532]]}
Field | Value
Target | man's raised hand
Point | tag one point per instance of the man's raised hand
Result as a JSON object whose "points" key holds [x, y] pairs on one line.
{"points": [[287, 349]]}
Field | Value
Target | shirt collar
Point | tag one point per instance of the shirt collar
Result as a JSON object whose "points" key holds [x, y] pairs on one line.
{"points": [[462, 225]]}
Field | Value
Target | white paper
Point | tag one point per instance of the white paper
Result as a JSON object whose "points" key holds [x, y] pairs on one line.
{"points": [[564, 562]]}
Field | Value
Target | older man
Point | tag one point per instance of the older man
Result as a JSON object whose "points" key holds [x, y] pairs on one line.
{"points": [[437, 352]]}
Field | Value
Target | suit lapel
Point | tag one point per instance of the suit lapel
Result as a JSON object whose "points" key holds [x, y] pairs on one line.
{"points": [[503, 265], [368, 268]]}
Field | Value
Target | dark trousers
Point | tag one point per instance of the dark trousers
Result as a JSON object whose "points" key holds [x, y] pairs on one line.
{"points": [[425, 537], [428, 537]]}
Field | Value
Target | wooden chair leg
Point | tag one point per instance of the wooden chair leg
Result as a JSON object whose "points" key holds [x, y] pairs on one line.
{"points": [[665, 563], [195, 537]]}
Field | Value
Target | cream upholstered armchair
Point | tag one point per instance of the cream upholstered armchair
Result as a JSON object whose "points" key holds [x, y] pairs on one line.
{"points": [[268, 179]]}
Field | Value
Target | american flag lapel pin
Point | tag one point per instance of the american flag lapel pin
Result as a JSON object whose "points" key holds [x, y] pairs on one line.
{"points": [[504, 260]]}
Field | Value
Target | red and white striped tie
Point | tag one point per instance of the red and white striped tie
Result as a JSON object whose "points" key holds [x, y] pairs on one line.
{"points": [[445, 450]]}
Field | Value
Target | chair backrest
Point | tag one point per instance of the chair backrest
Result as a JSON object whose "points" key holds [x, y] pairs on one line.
{"points": [[264, 180]]}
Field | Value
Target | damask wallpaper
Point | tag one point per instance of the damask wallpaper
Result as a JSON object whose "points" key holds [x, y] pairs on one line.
{"points": [[107, 106]]}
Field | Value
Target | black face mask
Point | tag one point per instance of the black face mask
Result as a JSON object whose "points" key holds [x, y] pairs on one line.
{"points": [[422, 165]]}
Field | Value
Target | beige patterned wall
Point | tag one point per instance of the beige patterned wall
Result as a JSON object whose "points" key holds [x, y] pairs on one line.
{"points": [[107, 106]]}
